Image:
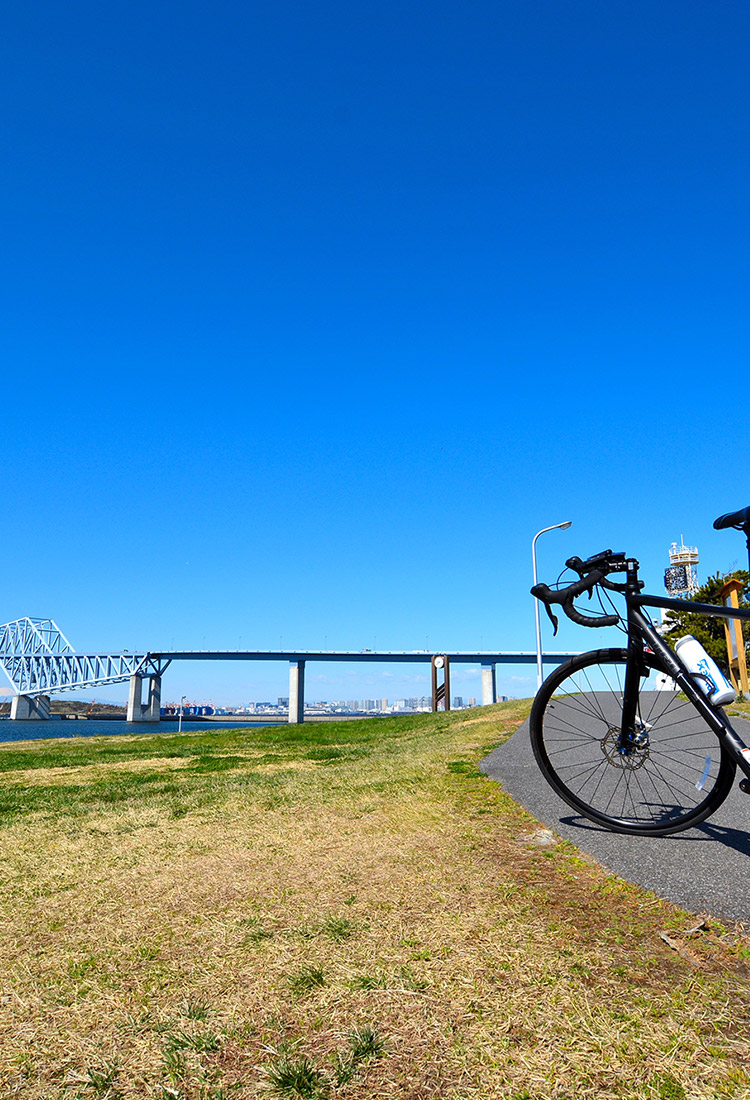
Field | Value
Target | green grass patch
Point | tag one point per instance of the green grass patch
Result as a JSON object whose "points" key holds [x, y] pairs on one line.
{"points": [[335, 910]]}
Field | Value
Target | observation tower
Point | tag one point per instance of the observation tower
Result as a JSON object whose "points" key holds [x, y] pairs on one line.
{"points": [[681, 578]]}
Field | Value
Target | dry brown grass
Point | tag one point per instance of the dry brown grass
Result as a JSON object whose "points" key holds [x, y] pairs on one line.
{"points": [[148, 955]]}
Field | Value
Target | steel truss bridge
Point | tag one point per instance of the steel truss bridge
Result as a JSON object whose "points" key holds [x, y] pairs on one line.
{"points": [[38, 659]]}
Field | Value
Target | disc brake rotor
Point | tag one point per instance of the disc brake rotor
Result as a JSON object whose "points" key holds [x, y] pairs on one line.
{"points": [[610, 747]]}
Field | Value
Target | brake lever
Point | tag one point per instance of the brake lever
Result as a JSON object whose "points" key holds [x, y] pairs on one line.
{"points": [[553, 618]]}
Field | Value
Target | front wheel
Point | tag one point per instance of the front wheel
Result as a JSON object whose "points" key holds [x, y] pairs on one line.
{"points": [[672, 775]]}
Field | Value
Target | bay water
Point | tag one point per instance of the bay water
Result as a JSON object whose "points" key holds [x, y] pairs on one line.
{"points": [[90, 727]]}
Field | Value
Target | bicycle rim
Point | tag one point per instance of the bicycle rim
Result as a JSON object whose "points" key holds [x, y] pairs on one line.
{"points": [[679, 775]]}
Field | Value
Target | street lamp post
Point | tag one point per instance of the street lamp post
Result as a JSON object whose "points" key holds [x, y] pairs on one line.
{"points": [[554, 527], [179, 725]]}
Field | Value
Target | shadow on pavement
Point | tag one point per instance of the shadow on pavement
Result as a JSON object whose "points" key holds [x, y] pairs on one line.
{"points": [[721, 834]]}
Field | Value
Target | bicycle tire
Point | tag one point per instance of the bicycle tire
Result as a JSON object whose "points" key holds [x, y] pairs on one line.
{"points": [[675, 781]]}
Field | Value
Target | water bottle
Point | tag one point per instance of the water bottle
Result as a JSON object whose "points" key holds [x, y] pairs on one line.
{"points": [[708, 677]]}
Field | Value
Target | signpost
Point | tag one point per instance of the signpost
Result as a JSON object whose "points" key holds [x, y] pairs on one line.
{"points": [[729, 595]]}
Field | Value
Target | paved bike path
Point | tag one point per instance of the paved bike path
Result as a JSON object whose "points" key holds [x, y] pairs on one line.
{"points": [[705, 869]]}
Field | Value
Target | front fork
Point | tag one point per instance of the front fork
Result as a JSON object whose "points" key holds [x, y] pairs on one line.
{"points": [[633, 732]]}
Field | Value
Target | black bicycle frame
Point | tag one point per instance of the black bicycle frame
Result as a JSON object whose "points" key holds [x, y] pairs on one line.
{"points": [[641, 631]]}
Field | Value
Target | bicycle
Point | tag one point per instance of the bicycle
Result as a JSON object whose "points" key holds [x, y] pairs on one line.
{"points": [[638, 761]]}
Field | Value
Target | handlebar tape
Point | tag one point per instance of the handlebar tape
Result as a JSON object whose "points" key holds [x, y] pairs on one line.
{"points": [[733, 519], [589, 620]]}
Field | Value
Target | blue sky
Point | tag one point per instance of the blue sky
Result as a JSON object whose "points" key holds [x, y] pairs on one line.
{"points": [[315, 313]]}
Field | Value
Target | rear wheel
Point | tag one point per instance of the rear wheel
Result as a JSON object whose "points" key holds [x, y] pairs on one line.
{"points": [[673, 776]]}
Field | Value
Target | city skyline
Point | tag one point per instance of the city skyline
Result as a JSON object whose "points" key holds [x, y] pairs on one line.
{"points": [[410, 704]]}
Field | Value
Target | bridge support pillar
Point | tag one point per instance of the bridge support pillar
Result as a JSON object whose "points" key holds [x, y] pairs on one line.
{"points": [[489, 685], [149, 711], [296, 691], [29, 708]]}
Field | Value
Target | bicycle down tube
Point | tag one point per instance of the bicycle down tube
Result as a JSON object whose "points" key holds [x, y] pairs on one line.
{"points": [[714, 717]]}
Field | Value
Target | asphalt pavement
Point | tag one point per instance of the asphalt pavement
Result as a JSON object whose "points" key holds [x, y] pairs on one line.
{"points": [[704, 870]]}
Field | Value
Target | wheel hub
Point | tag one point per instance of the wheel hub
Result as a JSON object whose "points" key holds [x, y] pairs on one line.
{"points": [[633, 758]]}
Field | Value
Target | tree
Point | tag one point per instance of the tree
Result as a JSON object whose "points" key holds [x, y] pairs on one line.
{"points": [[709, 631]]}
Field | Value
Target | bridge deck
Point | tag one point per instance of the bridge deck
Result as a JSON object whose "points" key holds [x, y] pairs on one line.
{"points": [[359, 655]]}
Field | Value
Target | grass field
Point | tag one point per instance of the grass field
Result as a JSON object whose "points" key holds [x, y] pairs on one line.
{"points": [[343, 910]]}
